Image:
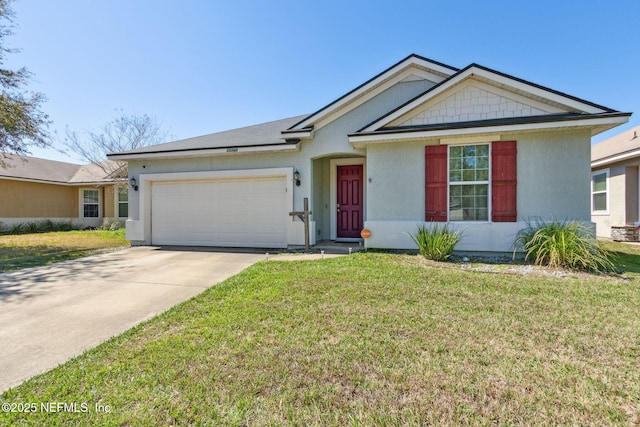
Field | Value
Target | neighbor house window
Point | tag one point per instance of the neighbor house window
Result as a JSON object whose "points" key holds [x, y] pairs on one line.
{"points": [[599, 191], [123, 202], [90, 203], [469, 182]]}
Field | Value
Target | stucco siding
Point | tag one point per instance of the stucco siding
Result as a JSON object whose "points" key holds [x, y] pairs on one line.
{"points": [[22, 199], [108, 202], [554, 175], [395, 182], [553, 182], [311, 161], [631, 194], [333, 138], [623, 197]]}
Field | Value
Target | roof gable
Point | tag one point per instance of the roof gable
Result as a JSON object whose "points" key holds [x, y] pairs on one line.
{"points": [[474, 100], [411, 68], [515, 98]]}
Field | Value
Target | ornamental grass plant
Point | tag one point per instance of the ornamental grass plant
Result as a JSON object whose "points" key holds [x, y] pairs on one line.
{"points": [[563, 244], [436, 242]]}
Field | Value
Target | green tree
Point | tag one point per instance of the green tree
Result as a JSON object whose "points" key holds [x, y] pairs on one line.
{"points": [[22, 123]]}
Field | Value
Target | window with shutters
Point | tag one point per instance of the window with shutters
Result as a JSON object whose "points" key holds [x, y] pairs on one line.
{"points": [[460, 179], [469, 182], [599, 192]]}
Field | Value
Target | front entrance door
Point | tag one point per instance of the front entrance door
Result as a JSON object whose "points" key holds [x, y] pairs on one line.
{"points": [[350, 203]]}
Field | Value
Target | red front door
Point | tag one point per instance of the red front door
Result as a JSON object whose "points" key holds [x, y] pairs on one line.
{"points": [[350, 202]]}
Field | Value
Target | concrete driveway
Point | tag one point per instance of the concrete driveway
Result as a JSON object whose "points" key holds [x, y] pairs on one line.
{"points": [[51, 314]]}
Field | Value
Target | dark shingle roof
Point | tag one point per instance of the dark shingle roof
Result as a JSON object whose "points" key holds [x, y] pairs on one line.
{"points": [[269, 133]]}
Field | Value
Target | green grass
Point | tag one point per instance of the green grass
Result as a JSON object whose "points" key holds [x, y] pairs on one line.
{"points": [[371, 340], [31, 250]]}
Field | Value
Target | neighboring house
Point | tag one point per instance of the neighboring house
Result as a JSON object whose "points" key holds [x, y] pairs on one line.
{"points": [[421, 141], [614, 185], [33, 189]]}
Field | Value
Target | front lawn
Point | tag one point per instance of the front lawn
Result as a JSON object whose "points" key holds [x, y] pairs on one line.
{"points": [[369, 339], [31, 250]]}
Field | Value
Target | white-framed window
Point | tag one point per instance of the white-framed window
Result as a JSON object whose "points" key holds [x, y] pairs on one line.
{"points": [[122, 202], [600, 192], [469, 182], [90, 203]]}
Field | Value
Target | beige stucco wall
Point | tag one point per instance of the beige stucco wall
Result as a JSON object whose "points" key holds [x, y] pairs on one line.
{"points": [[21, 199], [108, 202], [623, 193]]}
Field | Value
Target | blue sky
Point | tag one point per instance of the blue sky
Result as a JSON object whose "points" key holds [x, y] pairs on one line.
{"points": [[202, 66]]}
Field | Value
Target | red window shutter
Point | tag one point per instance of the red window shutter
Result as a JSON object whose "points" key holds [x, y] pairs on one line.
{"points": [[503, 181], [436, 181]]}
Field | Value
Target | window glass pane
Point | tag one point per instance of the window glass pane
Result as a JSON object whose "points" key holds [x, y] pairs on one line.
{"points": [[468, 163], [468, 202], [600, 182], [600, 202], [90, 196], [482, 175], [455, 151], [123, 210], [482, 162], [123, 194], [469, 150], [455, 175], [91, 211]]}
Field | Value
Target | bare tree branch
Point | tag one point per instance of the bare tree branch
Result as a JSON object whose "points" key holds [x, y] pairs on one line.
{"points": [[124, 133]]}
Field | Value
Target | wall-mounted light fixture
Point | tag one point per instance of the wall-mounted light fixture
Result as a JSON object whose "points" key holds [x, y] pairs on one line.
{"points": [[134, 183], [296, 178]]}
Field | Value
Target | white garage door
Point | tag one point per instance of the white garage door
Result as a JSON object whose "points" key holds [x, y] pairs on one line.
{"points": [[243, 212]]}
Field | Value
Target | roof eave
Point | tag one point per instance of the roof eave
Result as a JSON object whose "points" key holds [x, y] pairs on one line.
{"points": [[218, 151], [63, 183], [486, 73], [616, 158], [597, 123]]}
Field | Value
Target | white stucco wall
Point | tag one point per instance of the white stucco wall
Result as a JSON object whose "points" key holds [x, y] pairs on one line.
{"points": [[330, 141], [553, 182]]}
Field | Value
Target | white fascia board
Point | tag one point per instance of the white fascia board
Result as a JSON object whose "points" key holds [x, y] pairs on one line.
{"points": [[217, 174], [225, 151], [361, 141], [489, 76], [394, 75], [301, 134], [555, 97], [614, 159]]}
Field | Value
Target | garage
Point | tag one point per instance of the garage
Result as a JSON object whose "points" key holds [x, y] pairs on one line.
{"points": [[225, 212]]}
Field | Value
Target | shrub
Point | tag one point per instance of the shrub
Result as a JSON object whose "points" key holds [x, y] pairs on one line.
{"points": [[39, 227], [436, 242], [563, 244], [111, 225]]}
